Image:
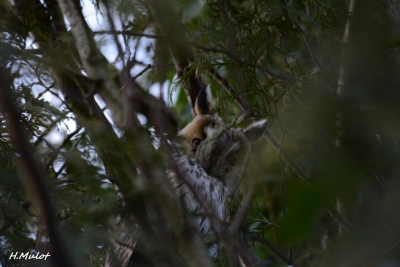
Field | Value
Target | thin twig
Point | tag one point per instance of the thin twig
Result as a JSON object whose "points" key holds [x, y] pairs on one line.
{"points": [[242, 210], [229, 88], [239, 60], [291, 255], [57, 151], [383, 254], [72, 149], [155, 36], [131, 59], [137, 75], [339, 91], [40, 137], [273, 249], [116, 41], [285, 156], [307, 41], [284, 56], [345, 40], [281, 188]]}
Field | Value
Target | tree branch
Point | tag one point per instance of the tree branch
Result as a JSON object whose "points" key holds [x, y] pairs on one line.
{"points": [[94, 62], [155, 36], [345, 40], [57, 151], [179, 47]]}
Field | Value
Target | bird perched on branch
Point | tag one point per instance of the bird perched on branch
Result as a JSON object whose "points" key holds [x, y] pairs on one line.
{"points": [[212, 168], [208, 171]]}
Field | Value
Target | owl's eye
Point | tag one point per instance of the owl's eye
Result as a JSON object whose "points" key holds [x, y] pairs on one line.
{"points": [[230, 158], [196, 141]]}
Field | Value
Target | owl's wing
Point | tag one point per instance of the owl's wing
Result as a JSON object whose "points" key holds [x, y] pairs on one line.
{"points": [[204, 195]]}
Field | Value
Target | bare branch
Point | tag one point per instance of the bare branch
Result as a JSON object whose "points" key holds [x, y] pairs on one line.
{"points": [[383, 253], [284, 56], [242, 210], [229, 88], [66, 140], [94, 62], [137, 75], [155, 36], [346, 34], [273, 249]]}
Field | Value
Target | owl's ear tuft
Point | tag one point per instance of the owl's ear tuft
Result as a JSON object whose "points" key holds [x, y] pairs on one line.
{"points": [[255, 130], [203, 102]]}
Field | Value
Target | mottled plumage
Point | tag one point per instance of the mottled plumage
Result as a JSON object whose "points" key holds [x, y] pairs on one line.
{"points": [[209, 169], [212, 167], [212, 173]]}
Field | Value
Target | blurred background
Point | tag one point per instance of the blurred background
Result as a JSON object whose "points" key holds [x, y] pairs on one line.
{"points": [[89, 87]]}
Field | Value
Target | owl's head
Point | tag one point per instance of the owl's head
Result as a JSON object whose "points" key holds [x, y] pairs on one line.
{"points": [[220, 149]]}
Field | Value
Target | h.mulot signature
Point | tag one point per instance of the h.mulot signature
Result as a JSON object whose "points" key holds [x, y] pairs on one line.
{"points": [[29, 256]]}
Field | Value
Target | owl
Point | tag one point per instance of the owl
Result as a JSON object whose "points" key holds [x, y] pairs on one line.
{"points": [[209, 170], [211, 167]]}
